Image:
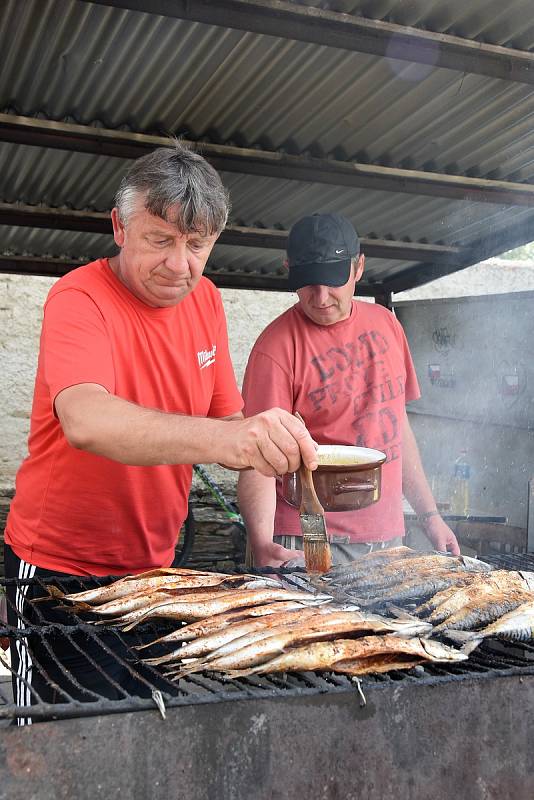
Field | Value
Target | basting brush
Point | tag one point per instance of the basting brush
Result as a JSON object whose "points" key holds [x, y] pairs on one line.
{"points": [[317, 555]]}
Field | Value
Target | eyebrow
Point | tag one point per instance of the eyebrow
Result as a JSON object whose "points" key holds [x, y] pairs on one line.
{"points": [[167, 235]]}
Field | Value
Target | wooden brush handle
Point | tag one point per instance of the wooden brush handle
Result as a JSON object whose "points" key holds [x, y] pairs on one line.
{"points": [[309, 503]]}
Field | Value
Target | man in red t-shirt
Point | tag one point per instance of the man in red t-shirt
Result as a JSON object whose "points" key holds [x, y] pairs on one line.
{"points": [[134, 385], [346, 368]]}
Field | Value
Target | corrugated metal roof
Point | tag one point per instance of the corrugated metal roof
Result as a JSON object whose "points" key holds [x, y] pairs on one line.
{"points": [[101, 66]]}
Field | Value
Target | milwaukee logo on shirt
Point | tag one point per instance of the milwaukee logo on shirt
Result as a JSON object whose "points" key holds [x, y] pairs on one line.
{"points": [[206, 357]]}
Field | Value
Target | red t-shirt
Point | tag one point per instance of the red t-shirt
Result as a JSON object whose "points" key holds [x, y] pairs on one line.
{"points": [[350, 382], [85, 514]]}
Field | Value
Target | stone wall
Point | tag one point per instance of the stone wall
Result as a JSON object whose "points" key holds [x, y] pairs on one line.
{"points": [[21, 302], [248, 312]]}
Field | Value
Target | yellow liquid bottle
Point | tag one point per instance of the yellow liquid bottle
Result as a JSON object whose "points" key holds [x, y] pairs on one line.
{"points": [[460, 485]]}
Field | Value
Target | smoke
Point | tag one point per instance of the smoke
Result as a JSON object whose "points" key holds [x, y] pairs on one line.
{"points": [[410, 60]]}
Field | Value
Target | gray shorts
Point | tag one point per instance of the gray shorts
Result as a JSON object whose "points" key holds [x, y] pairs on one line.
{"points": [[341, 548]]}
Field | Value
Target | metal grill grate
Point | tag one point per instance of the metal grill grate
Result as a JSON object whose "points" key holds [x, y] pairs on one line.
{"points": [[148, 687], [519, 561]]}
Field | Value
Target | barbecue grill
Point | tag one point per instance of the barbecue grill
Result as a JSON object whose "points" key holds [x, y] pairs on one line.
{"points": [[427, 731]]}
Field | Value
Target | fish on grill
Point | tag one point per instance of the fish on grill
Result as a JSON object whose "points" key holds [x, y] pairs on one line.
{"points": [[516, 625], [146, 598], [397, 572], [199, 606], [204, 645], [153, 582], [452, 600], [415, 587], [356, 656], [211, 624], [369, 560], [260, 645], [483, 609]]}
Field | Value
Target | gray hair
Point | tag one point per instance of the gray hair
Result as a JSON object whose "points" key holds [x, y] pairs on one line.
{"points": [[176, 177]]}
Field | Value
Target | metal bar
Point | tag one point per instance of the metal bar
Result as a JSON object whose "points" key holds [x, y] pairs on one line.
{"points": [[530, 517], [431, 675], [479, 250], [20, 214], [55, 268], [345, 31], [122, 144]]}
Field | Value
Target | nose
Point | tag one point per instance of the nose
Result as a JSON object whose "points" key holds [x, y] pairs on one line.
{"points": [[321, 294], [176, 258]]}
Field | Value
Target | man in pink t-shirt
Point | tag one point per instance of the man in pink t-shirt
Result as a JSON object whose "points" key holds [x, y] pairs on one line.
{"points": [[345, 366]]}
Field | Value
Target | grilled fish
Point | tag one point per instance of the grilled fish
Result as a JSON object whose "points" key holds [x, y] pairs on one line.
{"points": [[397, 572], [516, 625], [218, 621], [191, 609], [483, 610], [418, 586], [133, 584], [452, 600], [259, 646], [203, 645], [365, 562], [444, 595], [356, 656]]}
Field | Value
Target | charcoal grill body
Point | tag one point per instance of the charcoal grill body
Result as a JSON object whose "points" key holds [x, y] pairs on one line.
{"points": [[446, 731], [470, 738]]}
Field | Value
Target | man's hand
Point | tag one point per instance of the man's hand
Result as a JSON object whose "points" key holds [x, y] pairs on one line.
{"points": [[274, 555], [441, 536], [273, 443]]}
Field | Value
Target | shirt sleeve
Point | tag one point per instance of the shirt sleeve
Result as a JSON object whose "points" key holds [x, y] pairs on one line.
{"points": [[226, 399], [75, 346], [266, 384], [412, 391]]}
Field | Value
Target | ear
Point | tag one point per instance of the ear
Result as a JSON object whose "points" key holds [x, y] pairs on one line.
{"points": [[359, 267], [285, 264], [118, 227]]}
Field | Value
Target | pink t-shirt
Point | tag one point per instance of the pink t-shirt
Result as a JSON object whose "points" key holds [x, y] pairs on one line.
{"points": [[350, 382], [85, 514]]}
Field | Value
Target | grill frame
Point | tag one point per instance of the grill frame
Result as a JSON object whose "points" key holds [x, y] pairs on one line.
{"points": [[490, 660]]}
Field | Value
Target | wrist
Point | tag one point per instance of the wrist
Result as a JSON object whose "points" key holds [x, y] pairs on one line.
{"points": [[427, 517]]}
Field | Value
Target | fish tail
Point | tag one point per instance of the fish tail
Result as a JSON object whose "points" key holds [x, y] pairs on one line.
{"points": [[53, 591], [75, 608], [468, 639], [401, 614]]}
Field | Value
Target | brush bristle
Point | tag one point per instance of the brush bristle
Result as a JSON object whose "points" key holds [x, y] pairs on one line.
{"points": [[317, 556]]}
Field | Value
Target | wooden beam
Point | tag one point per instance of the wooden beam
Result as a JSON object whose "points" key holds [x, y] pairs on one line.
{"points": [[413, 277], [36, 265], [99, 222], [223, 279], [348, 32], [227, 158], [491, 244]]}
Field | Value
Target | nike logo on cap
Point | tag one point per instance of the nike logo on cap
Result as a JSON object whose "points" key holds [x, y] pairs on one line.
{"points": [[338, 252]]}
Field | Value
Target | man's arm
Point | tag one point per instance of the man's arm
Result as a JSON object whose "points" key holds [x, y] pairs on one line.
{"points": [[272, 442], [256, 495], [417, 492]]}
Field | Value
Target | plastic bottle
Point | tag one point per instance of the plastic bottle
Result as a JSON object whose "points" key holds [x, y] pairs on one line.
{"points": [[460, 485]]}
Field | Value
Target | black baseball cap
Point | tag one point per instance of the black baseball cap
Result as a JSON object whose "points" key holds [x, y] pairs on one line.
{"points": [[320, 249]]}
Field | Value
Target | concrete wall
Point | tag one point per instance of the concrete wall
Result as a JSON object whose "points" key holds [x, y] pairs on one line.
{"points": [[473, 360]]}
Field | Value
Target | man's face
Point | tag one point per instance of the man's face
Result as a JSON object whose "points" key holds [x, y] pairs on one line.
{"points": [[326, 305], [157, 263]]}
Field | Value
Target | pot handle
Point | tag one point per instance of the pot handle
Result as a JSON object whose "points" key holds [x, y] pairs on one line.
{"points": [[343, 488]]}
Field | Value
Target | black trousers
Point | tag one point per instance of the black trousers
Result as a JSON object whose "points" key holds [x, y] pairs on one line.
{"points": [[53, 665]]}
